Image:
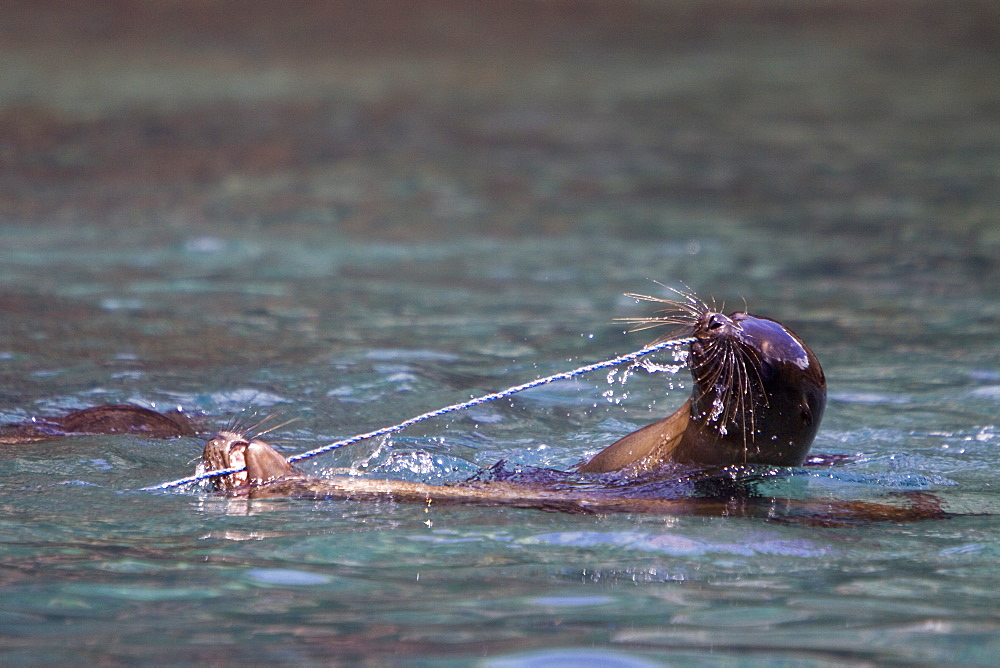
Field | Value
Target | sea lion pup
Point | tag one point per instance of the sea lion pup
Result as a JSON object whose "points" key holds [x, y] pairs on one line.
{"points": [[758, 396], [105, 419]]}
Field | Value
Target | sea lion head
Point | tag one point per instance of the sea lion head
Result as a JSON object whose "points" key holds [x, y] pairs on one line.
{"points": [[229, 449], [758, 395]]}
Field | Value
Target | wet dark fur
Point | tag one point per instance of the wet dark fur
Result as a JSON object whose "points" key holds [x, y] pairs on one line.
{"points": [[758, 396]]}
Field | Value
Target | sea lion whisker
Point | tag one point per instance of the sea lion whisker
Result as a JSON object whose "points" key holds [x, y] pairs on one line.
{"points": [[687, 293], [689, 312], [749, 399], [715, 361], [751, 355], [692, 298], [650, 298], [747, 418], [731, 381], [264, 420], [699, 305], [745, 405], [666, 315], [681, 313], [687, 301], [715, 378], [238, 423], [275, 427], [665, 319], [660, 321], [713, 365], [727, 377], [707, 374]]}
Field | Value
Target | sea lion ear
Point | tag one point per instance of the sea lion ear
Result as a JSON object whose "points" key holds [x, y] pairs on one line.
{"points": [[264, 462]]}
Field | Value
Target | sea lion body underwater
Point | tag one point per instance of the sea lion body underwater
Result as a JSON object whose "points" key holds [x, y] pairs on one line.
{"points": [[758, 398], [104, 419]]}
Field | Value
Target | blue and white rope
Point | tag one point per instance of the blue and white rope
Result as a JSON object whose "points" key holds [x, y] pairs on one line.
{"points": [[510, 391]]}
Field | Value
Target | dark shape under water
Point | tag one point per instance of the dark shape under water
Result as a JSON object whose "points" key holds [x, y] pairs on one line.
{"points": [[106, 419]]}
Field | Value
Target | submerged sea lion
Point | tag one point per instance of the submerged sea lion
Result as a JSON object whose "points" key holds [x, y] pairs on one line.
{"points": [[758, 397], [106, 419]]}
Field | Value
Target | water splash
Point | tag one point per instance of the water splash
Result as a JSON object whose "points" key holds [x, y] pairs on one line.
{"points": [[718, 409], [621, 376]]}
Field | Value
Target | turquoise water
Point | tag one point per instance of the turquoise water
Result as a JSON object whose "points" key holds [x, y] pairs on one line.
{"points": [[352, 213], [345, 336]]}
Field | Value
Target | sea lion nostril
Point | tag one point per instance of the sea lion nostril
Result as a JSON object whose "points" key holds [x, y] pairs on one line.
{"points": [[716, 321]]}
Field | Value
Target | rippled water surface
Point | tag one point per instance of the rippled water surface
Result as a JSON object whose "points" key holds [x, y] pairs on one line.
{"points": [[345, 337], [441, 225]]}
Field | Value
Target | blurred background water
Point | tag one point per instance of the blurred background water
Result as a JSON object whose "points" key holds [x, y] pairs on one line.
{"points": [[349, 214]]}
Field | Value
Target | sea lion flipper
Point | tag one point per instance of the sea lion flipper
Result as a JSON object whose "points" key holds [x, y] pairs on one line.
{"points": [[644, 447]]}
